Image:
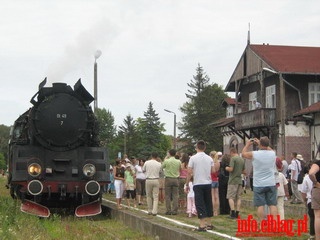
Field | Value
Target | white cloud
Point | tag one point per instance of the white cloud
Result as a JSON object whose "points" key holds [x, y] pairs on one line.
{"points": [[150, 49]]}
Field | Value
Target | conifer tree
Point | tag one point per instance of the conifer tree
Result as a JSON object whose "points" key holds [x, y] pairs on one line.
{"points": [[203, 107]]}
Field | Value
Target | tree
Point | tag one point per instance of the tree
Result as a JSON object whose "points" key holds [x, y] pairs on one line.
{"points": [[150, 136], [107, 129], [202, 108], [128, 133], [3, 165], [4, 139]]}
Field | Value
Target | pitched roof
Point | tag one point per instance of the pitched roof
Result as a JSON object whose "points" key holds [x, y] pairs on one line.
{"points": [[313, 108], [230, 101], [289, 59]]}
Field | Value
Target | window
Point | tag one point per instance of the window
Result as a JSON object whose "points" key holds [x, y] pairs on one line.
{"points": [[229, 111], [314, 93], [271, 96], [252, 97]]}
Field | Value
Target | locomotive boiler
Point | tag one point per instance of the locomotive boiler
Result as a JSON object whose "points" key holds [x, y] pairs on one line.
{"points": [[54, 156]]}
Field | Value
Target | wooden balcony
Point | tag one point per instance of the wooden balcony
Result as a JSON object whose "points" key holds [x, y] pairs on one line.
{"points": [[262, 117]]}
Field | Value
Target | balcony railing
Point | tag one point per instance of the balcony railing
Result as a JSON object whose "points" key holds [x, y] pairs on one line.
{"points": [[262, 117]]}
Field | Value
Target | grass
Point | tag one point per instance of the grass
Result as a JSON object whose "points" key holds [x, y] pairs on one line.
{"points": [[222, 223], [15, 225]]}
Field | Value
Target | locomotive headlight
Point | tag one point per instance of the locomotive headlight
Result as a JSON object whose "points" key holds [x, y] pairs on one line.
{"points": [[34, 169], [89, 170]]}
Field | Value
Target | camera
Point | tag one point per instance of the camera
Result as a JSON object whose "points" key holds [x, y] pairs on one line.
{"points": [[251, 140]]}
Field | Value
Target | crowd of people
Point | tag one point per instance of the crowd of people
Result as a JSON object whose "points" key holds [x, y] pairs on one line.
{"points": [[205, 185]]}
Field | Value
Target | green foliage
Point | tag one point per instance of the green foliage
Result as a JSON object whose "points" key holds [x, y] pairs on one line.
{"points": [[135, 137], [150, 136], [107, 130], [3, 164], [202, 108], [129, 135], [4, 139]]}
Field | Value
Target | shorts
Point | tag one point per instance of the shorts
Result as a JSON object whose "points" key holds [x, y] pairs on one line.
{"points": [[131, 193], [215, 185], [265, 196], [234, 191], [141, 187], [315, 198]]}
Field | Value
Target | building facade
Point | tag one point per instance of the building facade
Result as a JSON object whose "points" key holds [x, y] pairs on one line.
{"points": [[273, 87]]}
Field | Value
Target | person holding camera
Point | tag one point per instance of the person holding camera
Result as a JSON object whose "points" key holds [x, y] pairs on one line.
{"points": [[264, 181]]}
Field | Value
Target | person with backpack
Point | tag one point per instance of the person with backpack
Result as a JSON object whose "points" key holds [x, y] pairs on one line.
{"points": [[295, 170]]}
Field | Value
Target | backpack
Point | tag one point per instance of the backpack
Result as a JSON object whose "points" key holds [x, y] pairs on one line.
{"points": [[301, 172]]}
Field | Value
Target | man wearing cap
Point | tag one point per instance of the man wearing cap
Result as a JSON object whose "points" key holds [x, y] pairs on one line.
{"points": [[295, 170]]}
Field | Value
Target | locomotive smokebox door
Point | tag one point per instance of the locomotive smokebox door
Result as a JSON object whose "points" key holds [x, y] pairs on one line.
{"points": [[60, 121]]}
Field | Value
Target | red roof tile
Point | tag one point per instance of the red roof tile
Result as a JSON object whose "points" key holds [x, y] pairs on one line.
{"points": [[313, 108], [290, 59]]}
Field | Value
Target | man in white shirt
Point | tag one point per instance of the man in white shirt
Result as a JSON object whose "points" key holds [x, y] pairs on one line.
{"points": [[152, 170], [295, 169], [200, 167]]}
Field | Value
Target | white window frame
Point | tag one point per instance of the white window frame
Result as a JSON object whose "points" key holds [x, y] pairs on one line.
{"points": [[229, 111], [271, 97], [313, 93]]}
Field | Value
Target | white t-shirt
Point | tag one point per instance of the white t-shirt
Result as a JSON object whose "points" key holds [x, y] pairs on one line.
{"points": [[306, 187], [295, 165], [139, 172], [282, 181], [201, 164]]}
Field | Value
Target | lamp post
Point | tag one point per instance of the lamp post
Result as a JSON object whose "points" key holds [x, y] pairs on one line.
{"points": [[174, 128], [97, 54]]}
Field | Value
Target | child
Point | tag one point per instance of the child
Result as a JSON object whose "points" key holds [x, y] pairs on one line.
{"points": [[111, 184], [130, 185], [282, 184], [191, 208]]}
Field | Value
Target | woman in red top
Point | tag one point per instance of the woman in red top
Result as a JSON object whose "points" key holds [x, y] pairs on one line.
{"points": [[215, 184], [182, 179]]}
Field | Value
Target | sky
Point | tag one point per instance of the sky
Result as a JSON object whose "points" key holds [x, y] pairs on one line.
{"points": [[150, 48]]}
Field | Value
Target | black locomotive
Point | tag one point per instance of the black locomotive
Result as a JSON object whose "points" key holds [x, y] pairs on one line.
{"points": [[54, 156]]}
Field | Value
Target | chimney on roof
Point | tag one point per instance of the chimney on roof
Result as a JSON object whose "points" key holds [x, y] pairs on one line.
{"points": [[248, 39]]}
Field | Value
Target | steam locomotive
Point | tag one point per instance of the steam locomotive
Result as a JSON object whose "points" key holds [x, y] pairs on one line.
{"points": [[54, 156]]}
